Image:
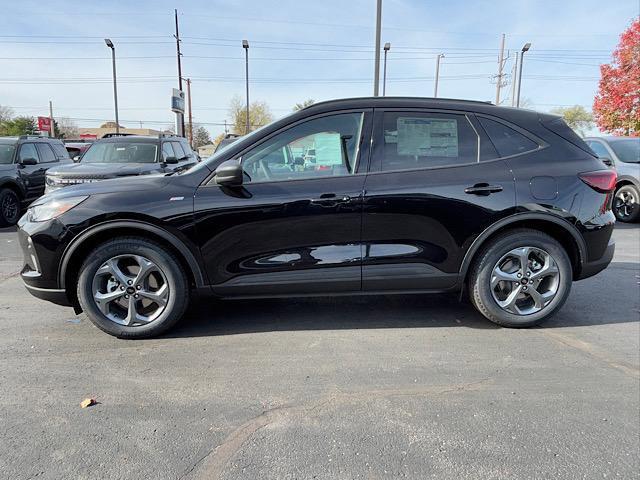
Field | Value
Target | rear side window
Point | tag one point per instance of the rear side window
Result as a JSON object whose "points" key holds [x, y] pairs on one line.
{"points": [[178, 149], [167, 151], [46, 154], [60, 151], [506, 140], [559, 127], [599, 149], [414, 140]]}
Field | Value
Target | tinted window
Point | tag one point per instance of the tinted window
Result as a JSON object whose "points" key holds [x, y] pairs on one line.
{"points": [[46, 154], [627, 149], [335, 139], [60, 151], [6, 153], [599, 149], [506, 140], [28, 150], [423, 140], [121, 152], [178, 149]]}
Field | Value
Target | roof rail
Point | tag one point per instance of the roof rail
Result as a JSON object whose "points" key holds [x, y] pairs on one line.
{"points": [[112, 135], [163, 134], [23, 137]]}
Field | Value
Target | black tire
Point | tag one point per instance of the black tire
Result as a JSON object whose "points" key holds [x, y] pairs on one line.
{"points": [[482, 271], [169, 265], [9, 207], [626, 204]]}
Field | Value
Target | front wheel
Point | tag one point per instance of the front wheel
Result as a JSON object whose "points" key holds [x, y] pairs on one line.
{"points": [[626, 203], [9, 207], [133, 288], [520, 278]]}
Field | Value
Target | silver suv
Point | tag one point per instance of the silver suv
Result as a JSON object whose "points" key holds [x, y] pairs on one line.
{"points": [[623, 154]]}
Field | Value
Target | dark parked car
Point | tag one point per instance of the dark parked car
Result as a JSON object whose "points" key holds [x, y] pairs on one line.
{"points": [[404, 195], [623, 154], [23, 163], [124, 156], [228, 139]]}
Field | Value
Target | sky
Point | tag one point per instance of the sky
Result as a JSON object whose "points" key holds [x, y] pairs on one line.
{"points": [[299, 49]]}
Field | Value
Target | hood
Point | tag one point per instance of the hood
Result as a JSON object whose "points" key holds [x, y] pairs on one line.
{"points": [[104, 170]]}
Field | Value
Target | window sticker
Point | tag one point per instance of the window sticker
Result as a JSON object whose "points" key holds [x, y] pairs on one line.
{"points": [[427, 137], [328, 150]]}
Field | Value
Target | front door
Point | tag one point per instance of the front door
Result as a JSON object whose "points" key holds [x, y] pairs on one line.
{"points": [[294, 226], [429, 192], [33, 176]]}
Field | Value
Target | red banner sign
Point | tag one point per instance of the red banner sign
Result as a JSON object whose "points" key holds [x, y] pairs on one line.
{"points": [[44, 124]]}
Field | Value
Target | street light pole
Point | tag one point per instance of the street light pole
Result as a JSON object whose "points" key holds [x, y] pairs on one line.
{"points": [[376, 79], [245, 45], [435, 87], [526, 48], [387, 47], [109, 44]]}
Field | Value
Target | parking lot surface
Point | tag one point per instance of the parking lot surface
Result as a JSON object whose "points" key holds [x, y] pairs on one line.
{"points": [[367, 387]]}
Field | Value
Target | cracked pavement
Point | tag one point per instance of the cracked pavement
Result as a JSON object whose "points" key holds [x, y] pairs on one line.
{"points": [[368, 387]]}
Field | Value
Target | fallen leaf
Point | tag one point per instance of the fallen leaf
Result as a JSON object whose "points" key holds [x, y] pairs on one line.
{"points": [[87, 402]]}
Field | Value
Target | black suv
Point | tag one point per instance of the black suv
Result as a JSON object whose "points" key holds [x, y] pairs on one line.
{"points": [[23, 163], [119, 156], [402, 195]]}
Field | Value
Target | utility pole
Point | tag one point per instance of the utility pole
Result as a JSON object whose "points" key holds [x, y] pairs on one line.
{"points": [[110, 44], [376, 79], [51, 127], [435, 88], [500, 74], [190, 117], [513, 81], [180, 122]]}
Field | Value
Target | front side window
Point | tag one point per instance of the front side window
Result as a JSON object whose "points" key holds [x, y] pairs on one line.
{"points": [[167, 151], [414, 140], [506, 140], [178, 149], [322, 147], [6, 153], [28, 150], [124, 152], [627, 149], [46, 154]]}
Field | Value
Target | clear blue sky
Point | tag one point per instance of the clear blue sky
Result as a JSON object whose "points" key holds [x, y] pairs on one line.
{"points": [[299, 49]]}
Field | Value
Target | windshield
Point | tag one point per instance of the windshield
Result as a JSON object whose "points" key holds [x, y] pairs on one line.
{"points": [[124, 152], [6, 153], [627, 149]]}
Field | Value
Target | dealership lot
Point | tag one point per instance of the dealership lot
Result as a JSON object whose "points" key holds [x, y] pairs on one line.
{"points": [[368, 387]]}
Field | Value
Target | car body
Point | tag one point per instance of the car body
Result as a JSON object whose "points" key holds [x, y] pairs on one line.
{"points": [[77, 148], [123, 156], [23, 163], [622, 154], [404, 195], [228, 139]]}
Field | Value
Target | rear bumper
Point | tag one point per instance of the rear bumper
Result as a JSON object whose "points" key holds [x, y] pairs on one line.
{"points": [[57, 296], [589, 269]]}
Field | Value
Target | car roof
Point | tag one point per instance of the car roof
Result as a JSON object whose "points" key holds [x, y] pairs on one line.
{"points": [[132, 138], [31, 138]]}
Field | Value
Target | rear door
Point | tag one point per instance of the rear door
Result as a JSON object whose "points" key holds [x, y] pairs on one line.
{"points": [[32, 175], [294, 226], [435, 184]]}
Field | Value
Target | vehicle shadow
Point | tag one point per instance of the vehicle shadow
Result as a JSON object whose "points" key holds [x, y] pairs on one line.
{"points": [[589, 304]]}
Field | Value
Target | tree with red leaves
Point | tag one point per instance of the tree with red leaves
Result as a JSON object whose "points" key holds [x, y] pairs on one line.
{"points": [[617, 104]]}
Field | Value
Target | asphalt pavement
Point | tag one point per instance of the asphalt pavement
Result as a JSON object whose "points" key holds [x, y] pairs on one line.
{"points": [[365, 387]]}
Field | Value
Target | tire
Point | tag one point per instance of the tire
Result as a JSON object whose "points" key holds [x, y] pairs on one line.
{"points": [[525, 312], [121, 256], [9, 207], [626, 204]]}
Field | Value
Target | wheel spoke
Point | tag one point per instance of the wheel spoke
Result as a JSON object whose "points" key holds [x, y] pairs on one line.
{"points": [[523, 257], [548, 269], [509, 303], [159, 297], [540, 300], [103, 300], [111, 267], [146, 267], [500, 275]]}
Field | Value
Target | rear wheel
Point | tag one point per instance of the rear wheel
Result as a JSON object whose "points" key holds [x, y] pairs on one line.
{"points": [[626, 203], [133, 288], [9, 207], [520, 278]]}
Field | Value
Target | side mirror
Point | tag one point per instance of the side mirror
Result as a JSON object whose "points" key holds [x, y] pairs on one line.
{"points": [[229, 174], [607, 161], [28, 161], [170, 160]]}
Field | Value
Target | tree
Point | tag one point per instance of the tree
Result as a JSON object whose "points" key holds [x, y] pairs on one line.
{"points": [[617, 104], [19, 126], [109, 125], [200, 137], [6, 113], [577, 117], [305, 104], [259, 115], [65, 128]]}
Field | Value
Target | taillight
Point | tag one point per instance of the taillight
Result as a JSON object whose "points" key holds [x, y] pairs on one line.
{"points": [[600, 180]]}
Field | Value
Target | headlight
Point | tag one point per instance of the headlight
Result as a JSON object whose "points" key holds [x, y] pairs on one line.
{"points": [[52, 180], [53, 208]]}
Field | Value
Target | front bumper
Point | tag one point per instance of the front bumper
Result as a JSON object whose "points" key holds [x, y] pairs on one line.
{"points": [[589, 269]]}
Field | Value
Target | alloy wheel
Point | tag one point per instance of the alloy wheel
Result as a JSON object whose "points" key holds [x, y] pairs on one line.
{"points": [[10, 208], [625, 203], [130, 290], [525, 280]]}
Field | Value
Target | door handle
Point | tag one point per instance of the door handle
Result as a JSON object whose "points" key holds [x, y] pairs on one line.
{"points": [[483, 189], [330, 199]]}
